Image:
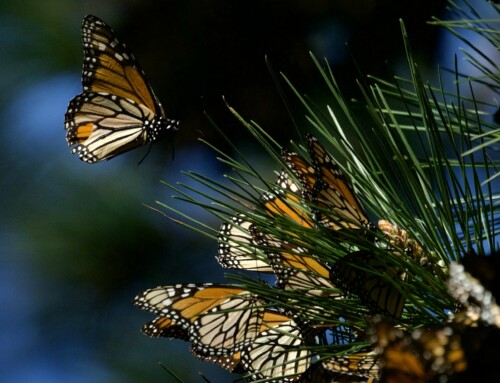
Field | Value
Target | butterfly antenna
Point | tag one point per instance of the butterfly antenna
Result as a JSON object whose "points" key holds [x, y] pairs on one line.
{"points": [[145, 155], [172, 143]]}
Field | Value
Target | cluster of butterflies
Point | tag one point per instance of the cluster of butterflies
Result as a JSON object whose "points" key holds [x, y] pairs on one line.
{"points": [[249, 334], [465, 349], [244, 332]]}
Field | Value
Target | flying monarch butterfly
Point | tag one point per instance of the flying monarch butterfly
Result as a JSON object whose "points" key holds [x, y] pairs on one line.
{"points": [[275, 355], [237, 248], [360, 272], [219, 319], [327, 188], [118, 110]]}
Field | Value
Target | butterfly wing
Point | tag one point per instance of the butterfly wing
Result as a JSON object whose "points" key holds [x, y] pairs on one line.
{"points": [[332, 192], [285, 203], [231, 362], [229, 326], [361, 273], [164, 327], [275, 355], [302, 170], [118, 109], [184, 303], [296, 269], [103, 126], [361, 364], [424, 355], [219, 319], [237, 248], [110, 67]]}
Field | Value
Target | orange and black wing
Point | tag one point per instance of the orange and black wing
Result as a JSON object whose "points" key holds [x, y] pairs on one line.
{"points": [[362, 273], [302, 170], [424, 355], [219, 319], [294, 267], [285, 203], [110, 67], [165, 327], [276, 354], [360, 364], [338, 206]]}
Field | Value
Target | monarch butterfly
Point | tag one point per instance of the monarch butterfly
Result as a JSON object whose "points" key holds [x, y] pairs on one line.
{"points": [[424, 355], [275, 354], [165, 327], [361, 364], [359, 273], [183, 308], [118, 110], [332, 192], [232, 362], [302, 170], [327, 188], [219, 319], [318, 374], [294, 266], [296, 269], [237, 247], [285, 203]]}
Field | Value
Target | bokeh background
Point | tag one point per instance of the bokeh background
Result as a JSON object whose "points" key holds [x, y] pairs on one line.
{"points": [[76, 241]]}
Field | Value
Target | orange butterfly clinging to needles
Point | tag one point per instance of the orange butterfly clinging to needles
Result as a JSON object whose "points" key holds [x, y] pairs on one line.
{"points": [[118, 110]]}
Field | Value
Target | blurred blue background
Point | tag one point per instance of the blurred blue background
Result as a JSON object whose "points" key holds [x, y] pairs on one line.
{"points": [[76, 242]]}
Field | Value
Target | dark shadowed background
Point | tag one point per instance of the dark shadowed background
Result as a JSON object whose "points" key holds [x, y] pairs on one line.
{"points": [[76, 242]]}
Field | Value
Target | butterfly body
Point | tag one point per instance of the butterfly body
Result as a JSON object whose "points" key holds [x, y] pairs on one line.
{"points": [[118, 110]]}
